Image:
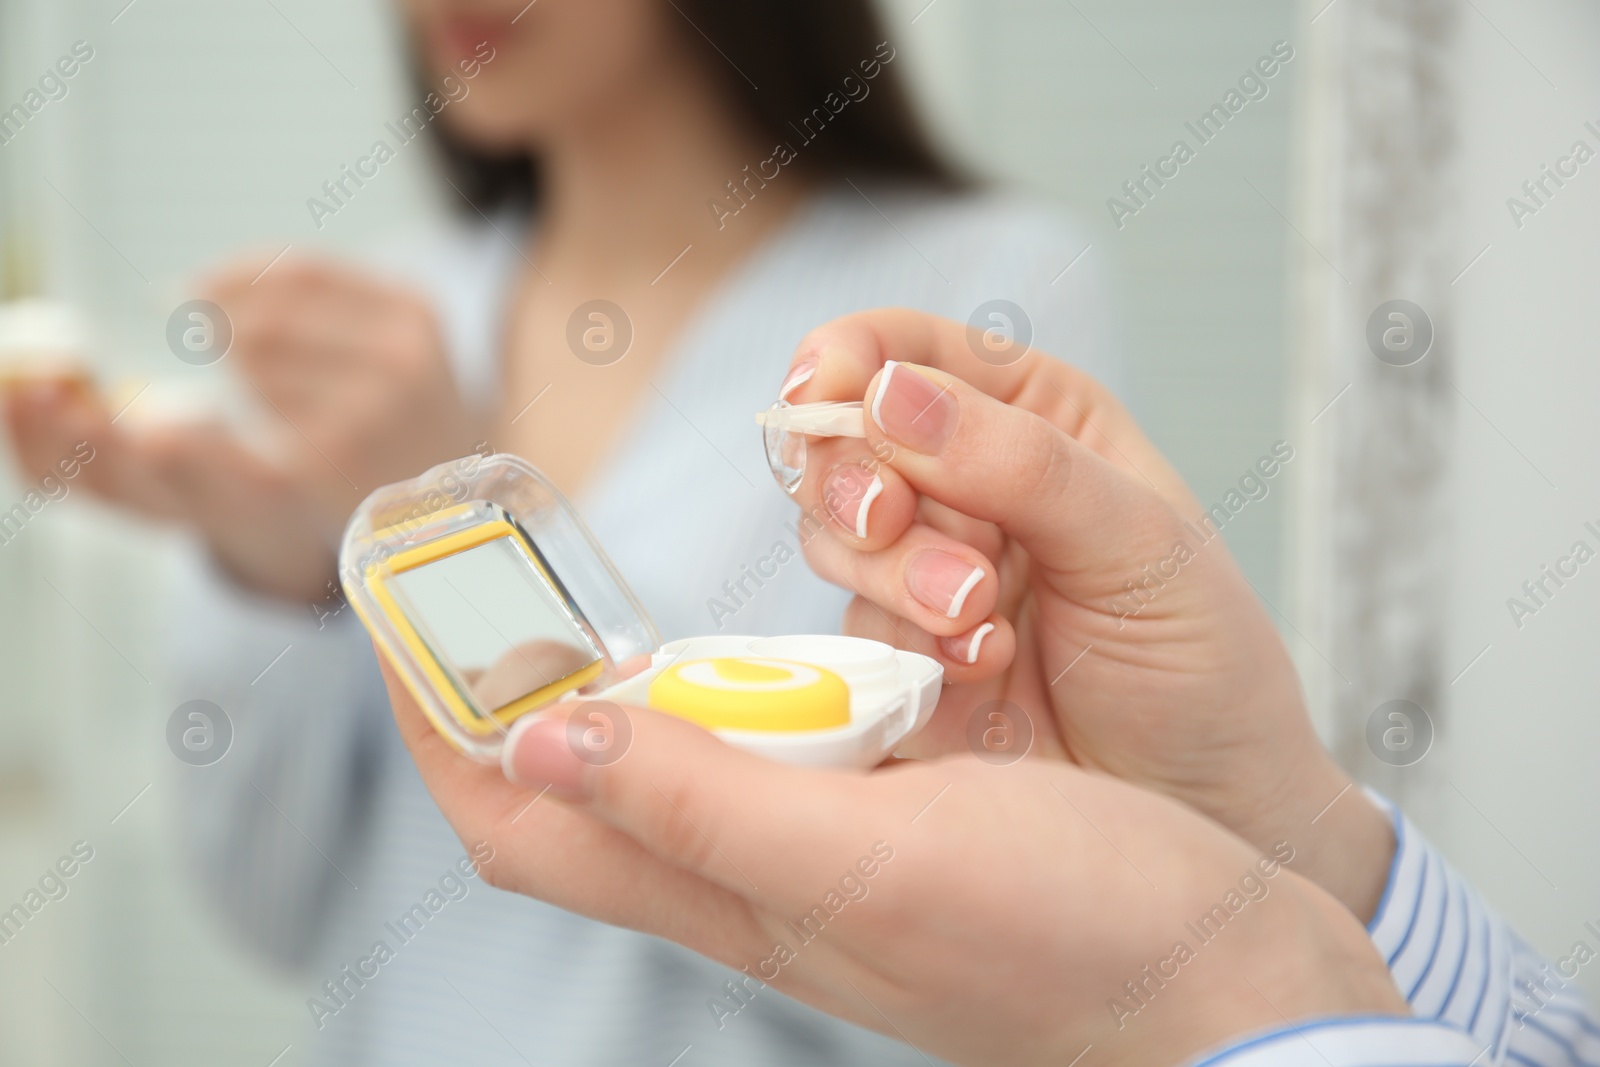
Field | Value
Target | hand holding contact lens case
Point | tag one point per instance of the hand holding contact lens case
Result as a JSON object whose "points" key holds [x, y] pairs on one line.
{"points": [[483, 588]]}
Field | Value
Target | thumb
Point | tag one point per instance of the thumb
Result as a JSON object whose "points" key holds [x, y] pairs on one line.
{"points": [[765, 831], [1073, 510]]}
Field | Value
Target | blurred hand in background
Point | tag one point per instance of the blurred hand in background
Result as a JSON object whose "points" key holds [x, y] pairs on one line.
{"points": [[354, 378]]}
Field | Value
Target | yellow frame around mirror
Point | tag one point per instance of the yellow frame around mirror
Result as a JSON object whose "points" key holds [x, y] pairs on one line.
{"points": [[443, 684]]}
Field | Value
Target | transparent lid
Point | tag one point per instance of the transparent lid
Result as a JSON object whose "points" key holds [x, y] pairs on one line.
{"points": [[483, 587]]}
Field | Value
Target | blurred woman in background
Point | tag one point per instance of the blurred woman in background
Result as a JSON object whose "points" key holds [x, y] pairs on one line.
{"points": [[656, 201]]}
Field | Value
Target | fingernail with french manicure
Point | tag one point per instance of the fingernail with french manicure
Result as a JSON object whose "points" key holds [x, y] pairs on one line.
{"points": [[848, 494], [799, 374], [941, 581], [914, 410], [964, 648], [538, 752]]}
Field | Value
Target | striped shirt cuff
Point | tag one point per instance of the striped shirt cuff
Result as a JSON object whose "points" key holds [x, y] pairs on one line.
{"points": [[1481, 996], [1458, 962], [1354, 1042], [1449, 953]]}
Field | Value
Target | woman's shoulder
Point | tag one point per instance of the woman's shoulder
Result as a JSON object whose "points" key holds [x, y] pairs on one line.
{"points": [[967, 255], [1004, 221], [945, 252]]}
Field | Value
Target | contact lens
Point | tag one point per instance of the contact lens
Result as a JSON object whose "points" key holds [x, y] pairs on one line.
{"points": [[786, 450], [786, 427]]}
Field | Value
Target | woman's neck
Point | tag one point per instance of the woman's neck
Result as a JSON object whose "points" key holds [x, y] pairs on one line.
{"points": [[624, 217], [626, 191]]}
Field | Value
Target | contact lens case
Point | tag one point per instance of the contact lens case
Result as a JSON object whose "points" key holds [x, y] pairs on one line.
{"points": [[484, 589], [42, 341]]}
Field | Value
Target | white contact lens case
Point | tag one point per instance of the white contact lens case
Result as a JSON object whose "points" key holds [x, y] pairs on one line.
{"points": [[484, 589], [42, 341], [892, 694]]}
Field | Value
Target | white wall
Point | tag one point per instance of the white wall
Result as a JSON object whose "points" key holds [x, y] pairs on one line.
{"points": [[1516, 792]]}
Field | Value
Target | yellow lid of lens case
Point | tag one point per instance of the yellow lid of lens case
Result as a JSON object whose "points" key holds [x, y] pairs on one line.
{"points": [[484, 589]]}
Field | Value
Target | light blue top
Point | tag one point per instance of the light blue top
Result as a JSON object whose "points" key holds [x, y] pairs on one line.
{"points": [[315, 835]]}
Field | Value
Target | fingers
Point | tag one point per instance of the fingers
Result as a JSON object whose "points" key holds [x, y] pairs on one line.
{"points": [[766, 832], [1072, 510], [838, 360], [1088, 523], [842, 356], [220, 481], [937, 583], [854, 494], [1034, 450], [262, 277], [312, 321], [354, 365], [983, 536], [65, 431], [45, 421], [971, 655], [260, 528]]}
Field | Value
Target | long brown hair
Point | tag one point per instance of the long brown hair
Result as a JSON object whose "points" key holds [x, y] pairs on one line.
{"points": [[798, 54]]}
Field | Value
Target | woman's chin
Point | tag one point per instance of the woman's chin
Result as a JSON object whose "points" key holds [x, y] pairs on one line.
{"points": [[493, 131]]}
